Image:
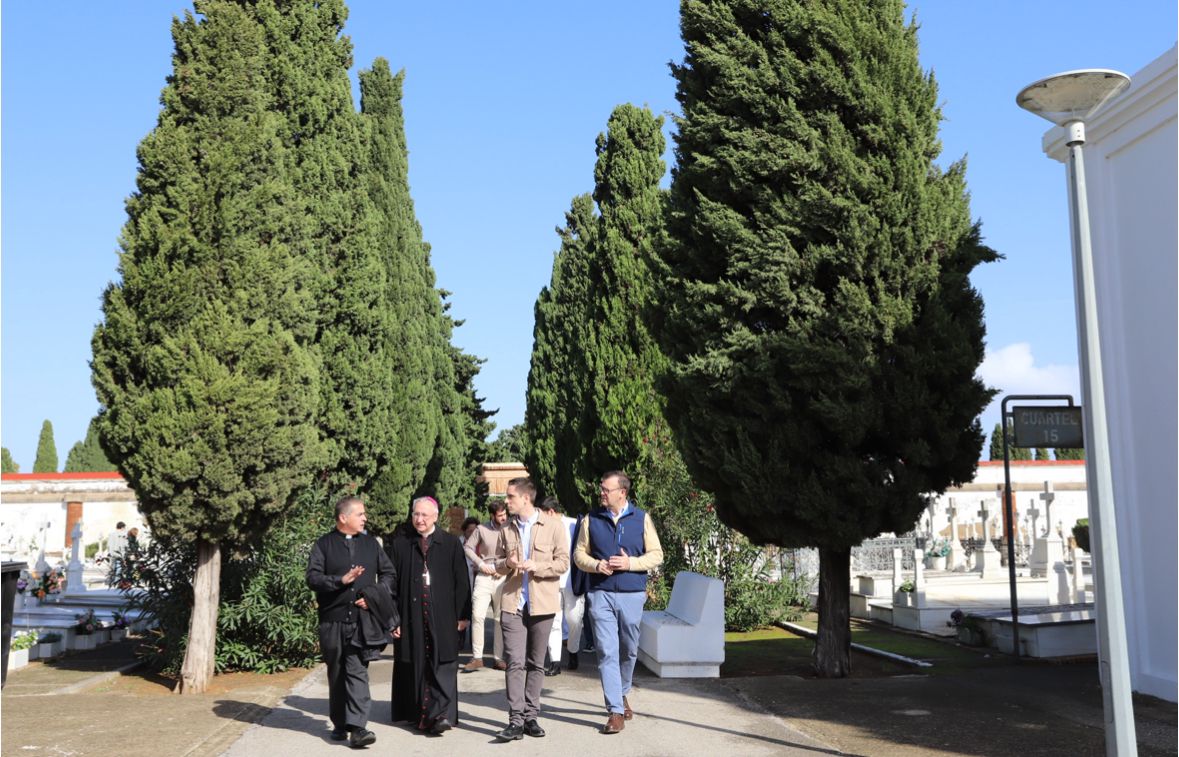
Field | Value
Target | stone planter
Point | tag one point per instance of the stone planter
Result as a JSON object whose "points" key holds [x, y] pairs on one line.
{"points": [[83, 642], [17, 659], [102, 636], [902, 599], [971, 637], [937, 563], [47, 649], [118, 634]]}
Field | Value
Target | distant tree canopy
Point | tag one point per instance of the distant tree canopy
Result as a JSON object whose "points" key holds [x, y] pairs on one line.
{"points": [[46, 459], [508, 446], [1013, 453], [7, 464], [87, 456]]}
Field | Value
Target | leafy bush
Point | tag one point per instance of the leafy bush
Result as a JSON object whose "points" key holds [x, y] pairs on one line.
{"points": [[24, 640], [92, 550], [694, 539], [267, 619]]}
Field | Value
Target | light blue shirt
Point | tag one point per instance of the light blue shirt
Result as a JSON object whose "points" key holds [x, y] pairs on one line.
{"points": [[525, 527]]}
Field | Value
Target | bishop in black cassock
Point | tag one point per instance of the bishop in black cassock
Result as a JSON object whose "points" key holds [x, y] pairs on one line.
{"points": [[433, 597]]}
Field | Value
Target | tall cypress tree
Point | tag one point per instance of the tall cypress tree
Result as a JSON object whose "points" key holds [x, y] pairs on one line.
{"points": [[1013, 453], [816, 302], [447, 478], [46, 460], [624, 361], [7, 464], [87, 456], [409, 297], [1068, 453], [557, 395], [207, 393], [307, 66]]}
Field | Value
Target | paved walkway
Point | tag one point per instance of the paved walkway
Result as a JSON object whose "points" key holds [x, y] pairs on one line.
{"points": [[672, 717]]}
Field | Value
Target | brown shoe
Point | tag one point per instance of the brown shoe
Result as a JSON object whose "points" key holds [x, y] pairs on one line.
{"points": [[614, 723], [473, 665], [627, 712], [501, 665]]}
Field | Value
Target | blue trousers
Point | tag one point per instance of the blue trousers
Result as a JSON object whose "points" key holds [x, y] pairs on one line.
{"points": [[616, 617]]}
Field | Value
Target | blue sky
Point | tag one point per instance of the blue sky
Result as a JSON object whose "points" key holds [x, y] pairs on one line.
{"points": [[503, 102]]}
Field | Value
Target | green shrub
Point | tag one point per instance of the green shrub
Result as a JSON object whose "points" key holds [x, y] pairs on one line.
{"points": [[267, 620], [92, 550], [1081, 534], [24, 640]]}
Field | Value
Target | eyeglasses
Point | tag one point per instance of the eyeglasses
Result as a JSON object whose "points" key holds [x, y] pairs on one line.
{"points": [[604, 490]]}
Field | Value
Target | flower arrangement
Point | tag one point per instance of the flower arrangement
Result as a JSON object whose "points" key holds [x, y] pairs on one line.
{"points": [[939, 548], [22, 583], [119, 620], [24, 640], [50, 582], [86, 623]]}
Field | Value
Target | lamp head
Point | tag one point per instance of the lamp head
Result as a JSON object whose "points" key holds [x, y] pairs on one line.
{"points": [[1073, 95]]}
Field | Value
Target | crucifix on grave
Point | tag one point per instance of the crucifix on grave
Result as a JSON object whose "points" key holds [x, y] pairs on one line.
{"points": [[1048, 549], [986, 560], [957, 552], [1048, 495], [74, 581], [1033, 513]]}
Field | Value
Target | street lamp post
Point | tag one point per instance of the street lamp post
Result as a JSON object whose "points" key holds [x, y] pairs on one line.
{"points": [[1067, 100]]}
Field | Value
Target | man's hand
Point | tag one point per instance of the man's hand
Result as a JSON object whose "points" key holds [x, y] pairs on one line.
{"points": [[462, 625], [487, 569], [356, 572], [620, 562], [361, 603], [604, 568], [397, 632]]}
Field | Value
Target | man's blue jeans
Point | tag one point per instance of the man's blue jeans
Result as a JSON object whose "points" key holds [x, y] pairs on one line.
{"points": [[616, 617]]}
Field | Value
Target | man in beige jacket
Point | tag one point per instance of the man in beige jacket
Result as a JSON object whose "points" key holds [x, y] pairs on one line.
{"points": [[533, 553]]}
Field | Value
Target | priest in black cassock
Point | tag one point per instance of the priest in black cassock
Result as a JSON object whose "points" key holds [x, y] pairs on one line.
{"points": [[433, 595]]}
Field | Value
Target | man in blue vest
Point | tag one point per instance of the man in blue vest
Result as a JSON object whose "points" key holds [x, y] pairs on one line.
{"points": [[616, 547]]}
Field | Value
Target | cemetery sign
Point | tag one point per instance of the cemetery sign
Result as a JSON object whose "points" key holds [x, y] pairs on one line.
{"points": [[1052, 426]]}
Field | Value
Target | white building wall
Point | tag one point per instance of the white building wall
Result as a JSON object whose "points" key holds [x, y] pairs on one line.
{"points": [[1131, 172]]}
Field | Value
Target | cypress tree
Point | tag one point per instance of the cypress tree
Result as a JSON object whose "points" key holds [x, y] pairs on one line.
{"points": [[1041, 453], [1067, 453], [7, 464], [46, 460], [816, 303], [306, 65], [409, 297], [447, 478], [623, 361], [87, 456], [558, 394], [207, 391]]}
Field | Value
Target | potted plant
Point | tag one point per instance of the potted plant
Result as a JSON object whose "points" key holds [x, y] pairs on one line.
{"points": [[970, 629], [118, 629], [903, 597], [48, 585], [938, 552], [84, 629], [1081, 533], [50, 645], [18, 651]]}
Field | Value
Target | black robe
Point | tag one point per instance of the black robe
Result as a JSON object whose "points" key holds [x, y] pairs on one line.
{"points": [[425, 670]]}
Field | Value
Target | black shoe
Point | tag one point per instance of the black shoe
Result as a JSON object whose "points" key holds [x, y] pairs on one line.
{"points": [[511, 733], [572, 661], [441, 726], [362, 737], [532, 728], [552, 669], [339, 734]]}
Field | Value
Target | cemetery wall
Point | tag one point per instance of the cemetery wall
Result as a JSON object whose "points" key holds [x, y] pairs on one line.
{"points": [[1131, 174]]}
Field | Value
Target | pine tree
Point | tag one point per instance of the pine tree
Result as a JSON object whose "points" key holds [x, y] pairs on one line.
{"points": [[410, 298], [46, 460], [87, 456], [7, 464], [207, 388], [816, 302], [624, 361], [558, 393]]}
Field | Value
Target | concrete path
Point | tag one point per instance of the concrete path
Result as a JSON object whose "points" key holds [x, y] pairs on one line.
{"points": [[672, 717]]}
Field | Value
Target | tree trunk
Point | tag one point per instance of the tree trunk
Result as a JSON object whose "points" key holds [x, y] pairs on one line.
{"points": [[200, 654], [833, 645]]}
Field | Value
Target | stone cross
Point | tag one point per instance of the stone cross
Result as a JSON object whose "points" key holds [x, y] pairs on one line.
{"points": [[896, 569], [985, 514], [1033, 513], [932, 510], [1048, 495]]}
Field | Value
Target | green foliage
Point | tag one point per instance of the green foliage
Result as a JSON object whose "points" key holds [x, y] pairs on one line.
{"points": [[1041, 453], [1081, 533], [509, 445], [267, 619], [91, 550], [46, 460], [87, 456], [207, 397], [1068, 453], [1013, 453], [24, 640], [815, 298], [7, 464], [558, 388], [694, 539]]}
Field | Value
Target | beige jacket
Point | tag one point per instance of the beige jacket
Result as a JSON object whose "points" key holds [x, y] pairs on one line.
{"points": [[549, 552]]}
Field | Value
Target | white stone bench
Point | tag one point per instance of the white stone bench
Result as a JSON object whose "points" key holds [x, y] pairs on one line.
{"points": [[687, 640]]}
